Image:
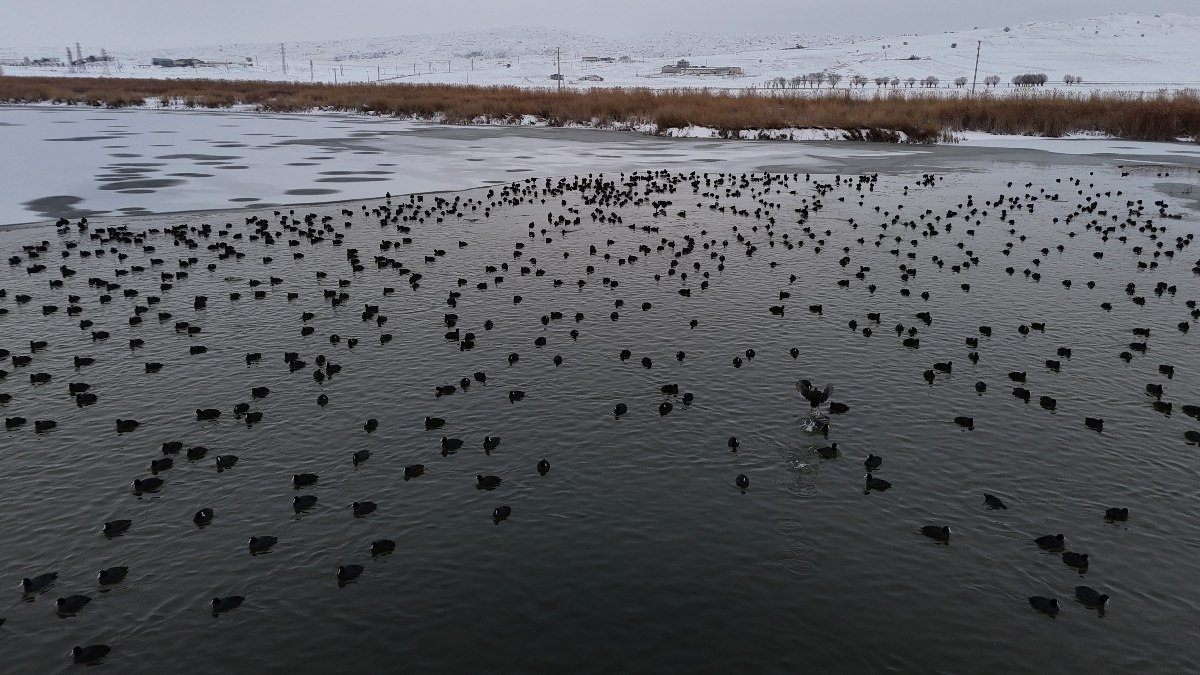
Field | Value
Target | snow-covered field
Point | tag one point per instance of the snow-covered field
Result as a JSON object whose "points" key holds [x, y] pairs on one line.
{"points": [[1127, 52]]}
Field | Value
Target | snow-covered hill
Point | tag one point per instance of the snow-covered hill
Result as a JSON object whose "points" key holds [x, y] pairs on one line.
{"points": [[1122, 52]]}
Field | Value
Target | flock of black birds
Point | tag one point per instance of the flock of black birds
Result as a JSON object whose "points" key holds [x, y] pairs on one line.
{"points": [[141, 272]]}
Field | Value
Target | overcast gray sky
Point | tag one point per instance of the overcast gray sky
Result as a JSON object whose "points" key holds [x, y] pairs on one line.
{"points": [[160, 23]]}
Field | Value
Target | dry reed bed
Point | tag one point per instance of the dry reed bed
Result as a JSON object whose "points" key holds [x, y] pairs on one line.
{"points": [[921, 117]]}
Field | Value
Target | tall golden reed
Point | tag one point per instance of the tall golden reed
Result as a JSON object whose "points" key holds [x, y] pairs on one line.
{"points": [[923, 117]]}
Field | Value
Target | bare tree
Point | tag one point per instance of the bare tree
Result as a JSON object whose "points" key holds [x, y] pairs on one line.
{"points": [[931, 81], [991, 80], [895, 82], [816, 78], [833, 78], [797, 80], [880, 81], [960, 81], [910, 81], [779, 82], [1030, 80]]}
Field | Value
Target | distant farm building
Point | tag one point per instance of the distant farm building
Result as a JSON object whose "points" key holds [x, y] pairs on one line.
{"points": [[598, 59], [46, 62], [176, 63], [683, 67], [591, 78]]}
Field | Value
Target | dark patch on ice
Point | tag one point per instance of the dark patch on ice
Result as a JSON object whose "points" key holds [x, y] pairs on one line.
{"points": [[136, 191], [59, 206], [144, 184], [198, 156], [231, 166], [121, 155], [351, 179], [475, 159], [370, 172], [311, 191], [516, 170], [73, 139], [245, 199], [186, 174], [302, 164]]}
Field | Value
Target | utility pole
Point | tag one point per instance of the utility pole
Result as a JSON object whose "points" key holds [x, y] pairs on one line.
{"points": [[78, 52], [558, 66], [283, 58], [334, 75], [311, 77], [978, 46]]}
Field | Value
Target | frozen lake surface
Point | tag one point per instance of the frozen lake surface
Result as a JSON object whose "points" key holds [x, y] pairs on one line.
{"points": [[69, 161]]}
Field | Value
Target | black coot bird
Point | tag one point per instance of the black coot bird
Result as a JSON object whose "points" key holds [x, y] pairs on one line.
{"points": [[1044, 605], [1090, 596], [993, 502], [939, 533], [112, 575], [1050, 541], [203, 517], [815, 397], [90, 653], [262, 544], [72, 603], [1076, 560], [227, 603], [115, 527], [828, 452], [38, 583], [349, 572], [874, 483]]}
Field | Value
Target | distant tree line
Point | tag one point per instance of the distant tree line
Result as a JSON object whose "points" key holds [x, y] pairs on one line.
{"points": [[1030, 80], [815, 80]]}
